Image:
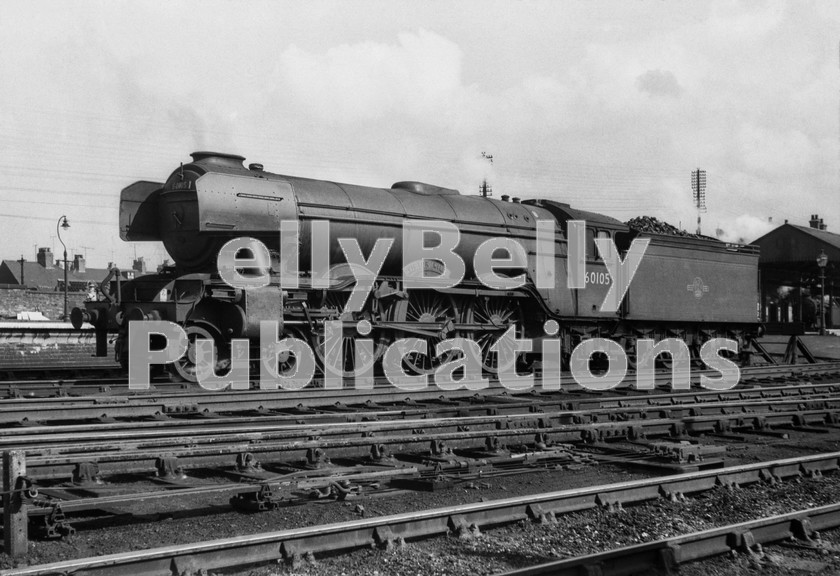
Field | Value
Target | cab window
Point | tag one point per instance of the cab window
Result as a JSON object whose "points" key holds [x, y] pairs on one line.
{"points": [[591, 251], [605, 235]]}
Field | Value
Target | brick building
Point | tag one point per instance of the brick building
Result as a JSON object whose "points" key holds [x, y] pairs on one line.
{"points": [[38, 286], [45, 273]]}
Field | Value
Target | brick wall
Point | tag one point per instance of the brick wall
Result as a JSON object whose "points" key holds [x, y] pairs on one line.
{"points": [[50, 304], [51, 351]]}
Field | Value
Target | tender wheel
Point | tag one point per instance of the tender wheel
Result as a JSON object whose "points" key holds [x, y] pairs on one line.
{"points": [[694, 353], [734, 357], [665, 361], [629, 343]]}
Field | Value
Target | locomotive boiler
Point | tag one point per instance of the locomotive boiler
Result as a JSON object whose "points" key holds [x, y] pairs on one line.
{"points": [[692, 288]]}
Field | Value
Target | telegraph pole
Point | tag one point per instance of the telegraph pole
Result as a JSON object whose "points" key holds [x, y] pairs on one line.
{"points": [[485, 189], [698, 188]]}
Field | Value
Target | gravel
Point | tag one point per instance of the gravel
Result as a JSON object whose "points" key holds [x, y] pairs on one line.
{"points": [[526, 543]]}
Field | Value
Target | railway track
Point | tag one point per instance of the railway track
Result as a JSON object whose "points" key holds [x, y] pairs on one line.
{"points": [[664, 556], [502, 404], [104, 379], [293, 544], [29, 411], [275, 457], [270, 458], [279, 451], [52, 453], [329, 408]]}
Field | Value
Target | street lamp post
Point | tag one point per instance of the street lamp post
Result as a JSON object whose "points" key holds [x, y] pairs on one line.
{"points": [[63, 225], [822, 261]]}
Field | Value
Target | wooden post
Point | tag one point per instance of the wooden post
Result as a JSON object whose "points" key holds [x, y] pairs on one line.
{"points": [[15, 518]]}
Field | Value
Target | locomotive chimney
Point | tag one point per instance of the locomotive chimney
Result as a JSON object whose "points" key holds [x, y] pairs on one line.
{"points": [[505, 197], [219, 159]]}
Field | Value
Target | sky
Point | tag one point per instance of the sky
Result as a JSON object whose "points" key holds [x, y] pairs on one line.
{"points": [[605, 105]]}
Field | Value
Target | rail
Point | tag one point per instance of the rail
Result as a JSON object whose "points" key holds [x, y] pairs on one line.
{"points": [[345, 536], [664, 555]]}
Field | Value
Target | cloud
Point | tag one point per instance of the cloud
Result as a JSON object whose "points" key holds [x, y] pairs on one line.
{"points": [[776, 150], [659, 83], [419, 75]]}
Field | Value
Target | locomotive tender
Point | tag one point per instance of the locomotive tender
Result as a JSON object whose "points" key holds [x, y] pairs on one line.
{"points": [[691, 288]]}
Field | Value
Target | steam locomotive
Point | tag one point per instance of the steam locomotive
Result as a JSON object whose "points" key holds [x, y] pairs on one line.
{"points": [[692, 288]]}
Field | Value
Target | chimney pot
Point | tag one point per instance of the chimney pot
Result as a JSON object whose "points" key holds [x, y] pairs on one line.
{"points": [[139, 265], [45, 257]]}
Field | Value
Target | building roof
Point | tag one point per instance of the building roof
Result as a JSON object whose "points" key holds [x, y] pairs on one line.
{"points": [[48, 278], [829, 238], [822, 235], [789, 253]]}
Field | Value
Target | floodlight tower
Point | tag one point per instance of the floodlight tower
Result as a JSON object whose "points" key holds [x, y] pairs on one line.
{"points": [[698, 188]]}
